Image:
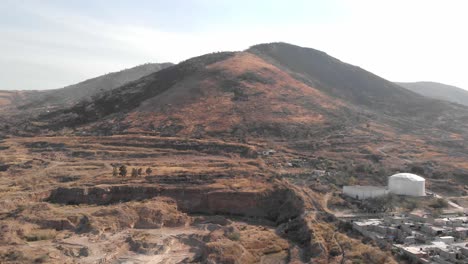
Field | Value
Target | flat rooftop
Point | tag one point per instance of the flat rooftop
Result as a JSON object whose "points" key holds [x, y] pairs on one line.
{"points": [[367, 187], [368, 222]]}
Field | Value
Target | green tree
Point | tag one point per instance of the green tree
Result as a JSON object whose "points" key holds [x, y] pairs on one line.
{"points": [[149, 171], [123, 170], [140, 172]]}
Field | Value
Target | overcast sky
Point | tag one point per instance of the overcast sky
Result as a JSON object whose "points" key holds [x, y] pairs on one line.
{"points": [[52, 43]]}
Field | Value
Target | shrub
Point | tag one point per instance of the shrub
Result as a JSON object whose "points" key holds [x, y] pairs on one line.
{"points": [[15, 256], [334, 251], [436, 213], [439, 203], [417, 169], [381, 204], [361, 168], [253, 77], [40, 235], [42, 259], [235, 236], [149, 171], [123, 170], [412, 205]]}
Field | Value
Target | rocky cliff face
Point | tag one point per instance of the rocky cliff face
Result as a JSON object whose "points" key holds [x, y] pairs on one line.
{"points": [[282, 205], [278, 204]]}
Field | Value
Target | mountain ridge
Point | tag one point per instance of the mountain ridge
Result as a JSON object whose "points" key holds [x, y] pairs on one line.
{"points": [[86, 89], [360, 92], [438, 91], [294, 96]]}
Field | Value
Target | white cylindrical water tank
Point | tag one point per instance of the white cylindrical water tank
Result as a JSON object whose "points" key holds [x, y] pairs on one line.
{"points": [[407, 184]]}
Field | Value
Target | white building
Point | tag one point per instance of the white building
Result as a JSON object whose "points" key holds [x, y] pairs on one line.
{"points": [[364, 192], [407, 184]]}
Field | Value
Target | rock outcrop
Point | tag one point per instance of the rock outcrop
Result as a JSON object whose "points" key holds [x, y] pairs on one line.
{"points": [[278, 204]]}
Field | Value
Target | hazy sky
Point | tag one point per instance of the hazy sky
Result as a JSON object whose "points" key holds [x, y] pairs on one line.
{"points": [[52, 43]]}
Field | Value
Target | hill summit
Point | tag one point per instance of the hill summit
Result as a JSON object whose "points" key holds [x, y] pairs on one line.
{"points": [[275, 89]]}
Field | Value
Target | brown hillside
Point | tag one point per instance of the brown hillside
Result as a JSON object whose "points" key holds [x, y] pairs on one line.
{"points": [[224, 158], [242, 94], [299, 97]]}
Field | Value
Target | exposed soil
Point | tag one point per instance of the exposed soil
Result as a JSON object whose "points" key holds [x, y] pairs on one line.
{"points": [[202, 203]]}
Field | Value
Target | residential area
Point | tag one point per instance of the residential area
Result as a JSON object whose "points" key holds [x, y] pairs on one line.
{"points": [[417, 236]]}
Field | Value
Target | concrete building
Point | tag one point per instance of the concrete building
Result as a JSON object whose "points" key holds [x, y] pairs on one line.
{"points": [[422, 242], [460, 232], [439, 242], [364, 192], [421, 216], [415, 253], [446, 239], [407, 184]]}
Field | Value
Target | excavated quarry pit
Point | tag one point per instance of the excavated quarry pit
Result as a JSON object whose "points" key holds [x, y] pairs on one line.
{"points": [[278, 204]]}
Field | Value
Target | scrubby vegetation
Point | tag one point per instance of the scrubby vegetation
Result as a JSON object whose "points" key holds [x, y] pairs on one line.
{"points": [[41, 234], [439, 203]]}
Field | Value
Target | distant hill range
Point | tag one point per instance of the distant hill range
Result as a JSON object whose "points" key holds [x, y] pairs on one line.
{"points": [[438, 91], [56, 98], [91, 87], [274, 90]]}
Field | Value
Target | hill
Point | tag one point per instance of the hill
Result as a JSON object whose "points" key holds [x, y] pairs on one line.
{"points": [[377, 97], [242, 148], [19, 107], [271, 89], [438, 91], [279, 92], [224, 94], [87, 89], [299, 97]]}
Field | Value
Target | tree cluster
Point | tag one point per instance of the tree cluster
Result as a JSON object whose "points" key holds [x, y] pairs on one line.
{"points": [[135, 172]]}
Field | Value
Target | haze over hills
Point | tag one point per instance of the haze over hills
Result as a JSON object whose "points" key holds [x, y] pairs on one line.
{"points": [[22, 106], [438, 91], [89, 88], [85, 90]]}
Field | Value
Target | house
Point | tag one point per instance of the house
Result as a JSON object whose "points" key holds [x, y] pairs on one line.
{"points": [[415, 253], [434, 230], [421, 216], [396, 220], [409, 240], [460, 232], [362, 226], [446, 239]]}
